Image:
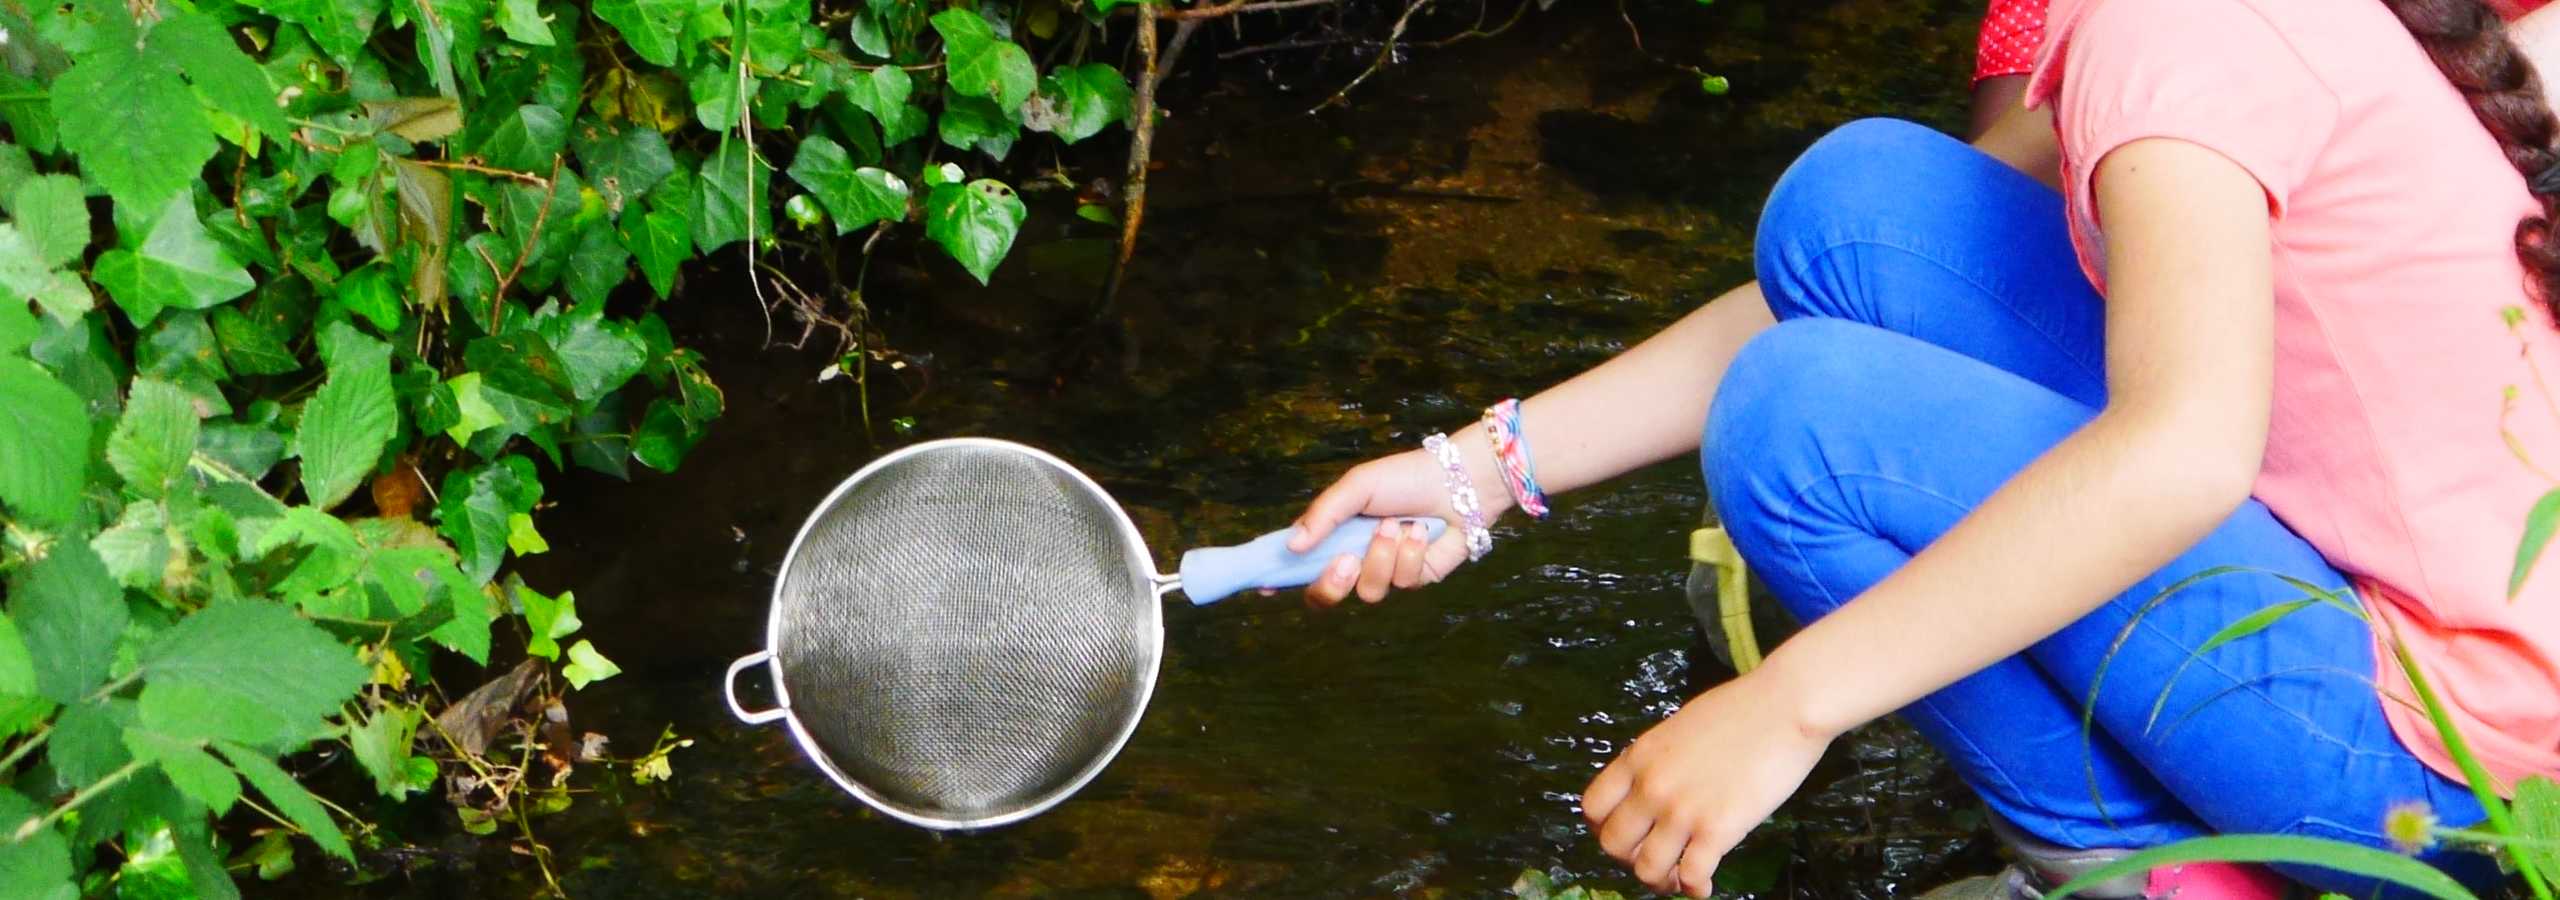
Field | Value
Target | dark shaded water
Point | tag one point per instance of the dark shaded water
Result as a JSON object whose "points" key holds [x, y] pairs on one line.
{"points": [[1313, 291]]}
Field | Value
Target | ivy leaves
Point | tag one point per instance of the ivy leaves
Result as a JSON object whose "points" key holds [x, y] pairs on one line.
{"points": [[178, 265], [981, 64], [976, 222], [854, 197]]}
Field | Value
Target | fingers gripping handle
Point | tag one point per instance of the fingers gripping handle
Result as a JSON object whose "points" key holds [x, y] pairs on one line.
{"points": [[729, 687], [1211, 574]]}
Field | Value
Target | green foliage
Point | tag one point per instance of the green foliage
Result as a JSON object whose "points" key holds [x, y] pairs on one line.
{"points": [[308, 297]]}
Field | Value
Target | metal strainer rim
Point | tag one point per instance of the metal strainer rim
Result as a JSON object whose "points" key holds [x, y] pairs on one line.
{"points": [[1139, 562]]}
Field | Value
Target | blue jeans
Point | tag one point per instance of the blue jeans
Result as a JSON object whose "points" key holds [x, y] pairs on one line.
{"points": [[1934, 336]]}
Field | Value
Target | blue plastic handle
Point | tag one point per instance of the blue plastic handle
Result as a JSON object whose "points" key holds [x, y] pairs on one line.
{"points": [[1211, 574]]}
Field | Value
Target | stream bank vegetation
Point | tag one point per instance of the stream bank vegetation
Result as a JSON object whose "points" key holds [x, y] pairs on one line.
{"points": [[309, 298]]}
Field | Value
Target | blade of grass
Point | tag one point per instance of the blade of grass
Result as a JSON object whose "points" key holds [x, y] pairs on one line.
{"points": [[2354, 859], [2248, 625], [2482, 786], [2538, 526]]}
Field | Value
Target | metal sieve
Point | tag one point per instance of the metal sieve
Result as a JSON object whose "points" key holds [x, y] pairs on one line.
{"points": [[967, 630]]}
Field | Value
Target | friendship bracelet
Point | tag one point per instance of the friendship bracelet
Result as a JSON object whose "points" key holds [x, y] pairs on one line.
{"points": [[1511, 453], [1462, 495]]}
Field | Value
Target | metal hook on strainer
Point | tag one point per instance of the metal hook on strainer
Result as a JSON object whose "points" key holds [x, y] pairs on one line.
{"points": [[967, 630]]}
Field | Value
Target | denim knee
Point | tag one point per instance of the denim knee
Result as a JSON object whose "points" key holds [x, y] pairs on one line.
{"points": [[1772, 412], [1866, 170]]}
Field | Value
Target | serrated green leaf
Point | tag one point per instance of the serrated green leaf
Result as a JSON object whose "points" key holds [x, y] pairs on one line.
{"points": [[17, 329], [1079, 102], [70, 612], [347, 422], [38, 868], [136, 550], [975, 223], [528, 139], [249, 671], [17, 667], [108, 98], [651, 27], [154, 438], [88, 742], [981, 64], [382, 745], [289, 798], [855, 198], [733, 186], [53, 216], [547, 618], [196, 773], [178, 266], [44, 444], [623, 161], [659, 241], [227, 77], [597, 354], [523, 23], [200, 853], [473, 507], [467, 633], [332, 557], [586, 666]]}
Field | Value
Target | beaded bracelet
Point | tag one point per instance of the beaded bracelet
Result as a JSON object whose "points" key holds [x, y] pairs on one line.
{"points": [[1511, 454], [1462, 495]]}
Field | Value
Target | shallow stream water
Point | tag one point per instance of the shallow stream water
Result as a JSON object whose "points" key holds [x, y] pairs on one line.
{"points": [[1483, 220]]}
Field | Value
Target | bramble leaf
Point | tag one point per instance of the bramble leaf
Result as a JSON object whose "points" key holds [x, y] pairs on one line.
{"points": [[119, 92], [288, 797], [249, 671], [44, 444], [154, 438], [70, 612], [350, 418]]}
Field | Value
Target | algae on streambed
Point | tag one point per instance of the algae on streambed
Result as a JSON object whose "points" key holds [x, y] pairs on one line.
{"points": [[1482, 220]]}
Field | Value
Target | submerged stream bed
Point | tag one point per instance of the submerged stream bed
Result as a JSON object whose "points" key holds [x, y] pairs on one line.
{"points": [[1482, 221]]}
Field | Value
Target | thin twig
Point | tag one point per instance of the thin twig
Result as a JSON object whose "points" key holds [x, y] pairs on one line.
{"points": [[1284, 45], [526, 177], [1143, 112], [1229, 9], [25, 748], [1386, 55], [85, 795], [497, 298]]}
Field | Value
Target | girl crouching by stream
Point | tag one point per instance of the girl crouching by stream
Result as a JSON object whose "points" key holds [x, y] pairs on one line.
{"points": [[1992, 442]]}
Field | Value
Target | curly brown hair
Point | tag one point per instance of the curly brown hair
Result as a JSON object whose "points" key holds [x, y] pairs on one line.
{"points": [[2469, 43]]}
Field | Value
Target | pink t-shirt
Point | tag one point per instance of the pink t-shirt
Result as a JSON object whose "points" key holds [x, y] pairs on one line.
{"points": [[2393, 214]]}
